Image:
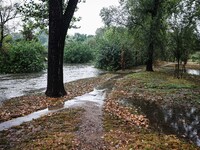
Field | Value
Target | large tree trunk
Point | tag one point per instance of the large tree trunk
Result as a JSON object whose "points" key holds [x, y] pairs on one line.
{"points": [[152, 35], [55, 87], [58, 27], [149, 62]]}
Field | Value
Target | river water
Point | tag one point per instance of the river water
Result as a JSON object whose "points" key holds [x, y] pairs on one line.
{"points": [[13, 85]]}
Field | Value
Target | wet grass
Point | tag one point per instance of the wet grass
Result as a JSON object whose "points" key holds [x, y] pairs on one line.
{"points": [[164, 84], [55, 131], [123, 136], [156, 88], [159, 80], [24, 105]]}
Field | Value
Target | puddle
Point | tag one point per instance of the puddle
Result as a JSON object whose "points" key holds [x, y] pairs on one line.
{"points": [[96, 96], [179, 120], [193, 71]]}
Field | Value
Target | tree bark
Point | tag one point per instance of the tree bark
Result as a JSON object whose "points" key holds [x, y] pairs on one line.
{"points": [[58, 27], [152, 35], [149, 62]]}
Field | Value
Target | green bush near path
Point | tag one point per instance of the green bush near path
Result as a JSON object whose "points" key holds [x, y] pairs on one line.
{"points": [[78, 52], [23, 57]]}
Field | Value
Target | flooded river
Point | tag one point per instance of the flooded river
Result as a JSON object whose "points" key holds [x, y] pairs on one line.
{"points": [[13, 85]]}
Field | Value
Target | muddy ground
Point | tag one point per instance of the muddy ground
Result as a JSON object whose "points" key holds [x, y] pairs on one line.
{"points": [[115, 125]]}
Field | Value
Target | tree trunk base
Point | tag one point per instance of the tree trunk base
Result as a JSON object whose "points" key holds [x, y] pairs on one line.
{"points": [[55, 94]]}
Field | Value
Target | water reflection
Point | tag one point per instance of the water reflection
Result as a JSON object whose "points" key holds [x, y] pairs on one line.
{"points": [[181, 120], [13, 85], [193, 71], [185, 121]]}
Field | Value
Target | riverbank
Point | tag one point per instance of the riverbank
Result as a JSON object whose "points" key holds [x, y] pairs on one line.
{"points": [[126, 124]]}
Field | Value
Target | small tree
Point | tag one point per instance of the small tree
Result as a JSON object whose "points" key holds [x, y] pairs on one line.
{"points": [[8, 12], [182, 36]]}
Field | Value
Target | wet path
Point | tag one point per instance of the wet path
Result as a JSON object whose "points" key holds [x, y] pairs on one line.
{"points": [[13, 85], [94, 98]]}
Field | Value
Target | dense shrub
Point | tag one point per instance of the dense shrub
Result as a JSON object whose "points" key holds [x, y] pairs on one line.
{"points": [[77, 52], [110, 57], [23, 57], [111, 44], [196, 57]]}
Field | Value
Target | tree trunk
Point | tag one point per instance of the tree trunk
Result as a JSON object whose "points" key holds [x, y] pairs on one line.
{"points": [[152, 35], [149, 62], [55, 87], [58, 27], [1, 37]]}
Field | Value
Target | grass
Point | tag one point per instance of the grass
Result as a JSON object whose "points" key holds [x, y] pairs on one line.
{"points": [[164, 84], [158, 87], [55, 131], [122, 136], [161, 80]]}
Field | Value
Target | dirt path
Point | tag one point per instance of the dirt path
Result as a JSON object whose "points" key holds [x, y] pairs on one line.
{"points": [[90, 133]]}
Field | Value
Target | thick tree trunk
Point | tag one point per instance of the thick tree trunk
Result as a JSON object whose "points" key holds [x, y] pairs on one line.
{"points": [[149, 62], [55, 87], [58, 27], [152, 35]]}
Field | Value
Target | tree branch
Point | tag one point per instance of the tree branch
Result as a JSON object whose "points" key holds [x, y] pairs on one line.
{"points": [[68, 14]]}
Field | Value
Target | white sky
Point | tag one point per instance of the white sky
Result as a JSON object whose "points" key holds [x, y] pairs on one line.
{"points": [[89, 12]]}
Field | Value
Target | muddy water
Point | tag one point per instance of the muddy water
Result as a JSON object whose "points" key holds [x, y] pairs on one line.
{"points": [[13, 85], [181, 120], [96, 97]]}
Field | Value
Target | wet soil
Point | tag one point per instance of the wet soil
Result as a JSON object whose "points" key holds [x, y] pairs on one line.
{"points": [[113, 126]]}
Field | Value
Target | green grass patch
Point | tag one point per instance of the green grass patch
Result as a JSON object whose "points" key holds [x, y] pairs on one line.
{"points": [[160, 80]]}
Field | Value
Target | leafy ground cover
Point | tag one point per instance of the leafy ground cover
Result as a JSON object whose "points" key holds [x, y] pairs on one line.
{"points": [[124, 126], [21, 106], [127, 127], [55, 131]]}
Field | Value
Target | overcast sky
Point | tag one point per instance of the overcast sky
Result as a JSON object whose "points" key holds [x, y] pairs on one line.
{"points": [[89, 12]]}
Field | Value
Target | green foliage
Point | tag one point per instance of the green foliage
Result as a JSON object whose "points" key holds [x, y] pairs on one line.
{"points": [[110, 45], [183, 38], [109, 56], [7, 43], [196, 57], [78, 52], [37, 12], [23, 57]]}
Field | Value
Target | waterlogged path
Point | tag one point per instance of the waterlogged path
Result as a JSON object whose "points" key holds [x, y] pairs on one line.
{"points": [[13, 85], [95, 98]]}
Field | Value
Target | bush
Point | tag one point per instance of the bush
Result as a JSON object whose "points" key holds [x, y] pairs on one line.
{"points": [[110, 57], [196, 57], [110, 47], [23, 57], [77, 52]]}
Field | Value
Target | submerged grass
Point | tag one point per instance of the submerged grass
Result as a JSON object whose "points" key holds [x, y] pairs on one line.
{"points": [[157, 88], [57, 130], [122, 136]]}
